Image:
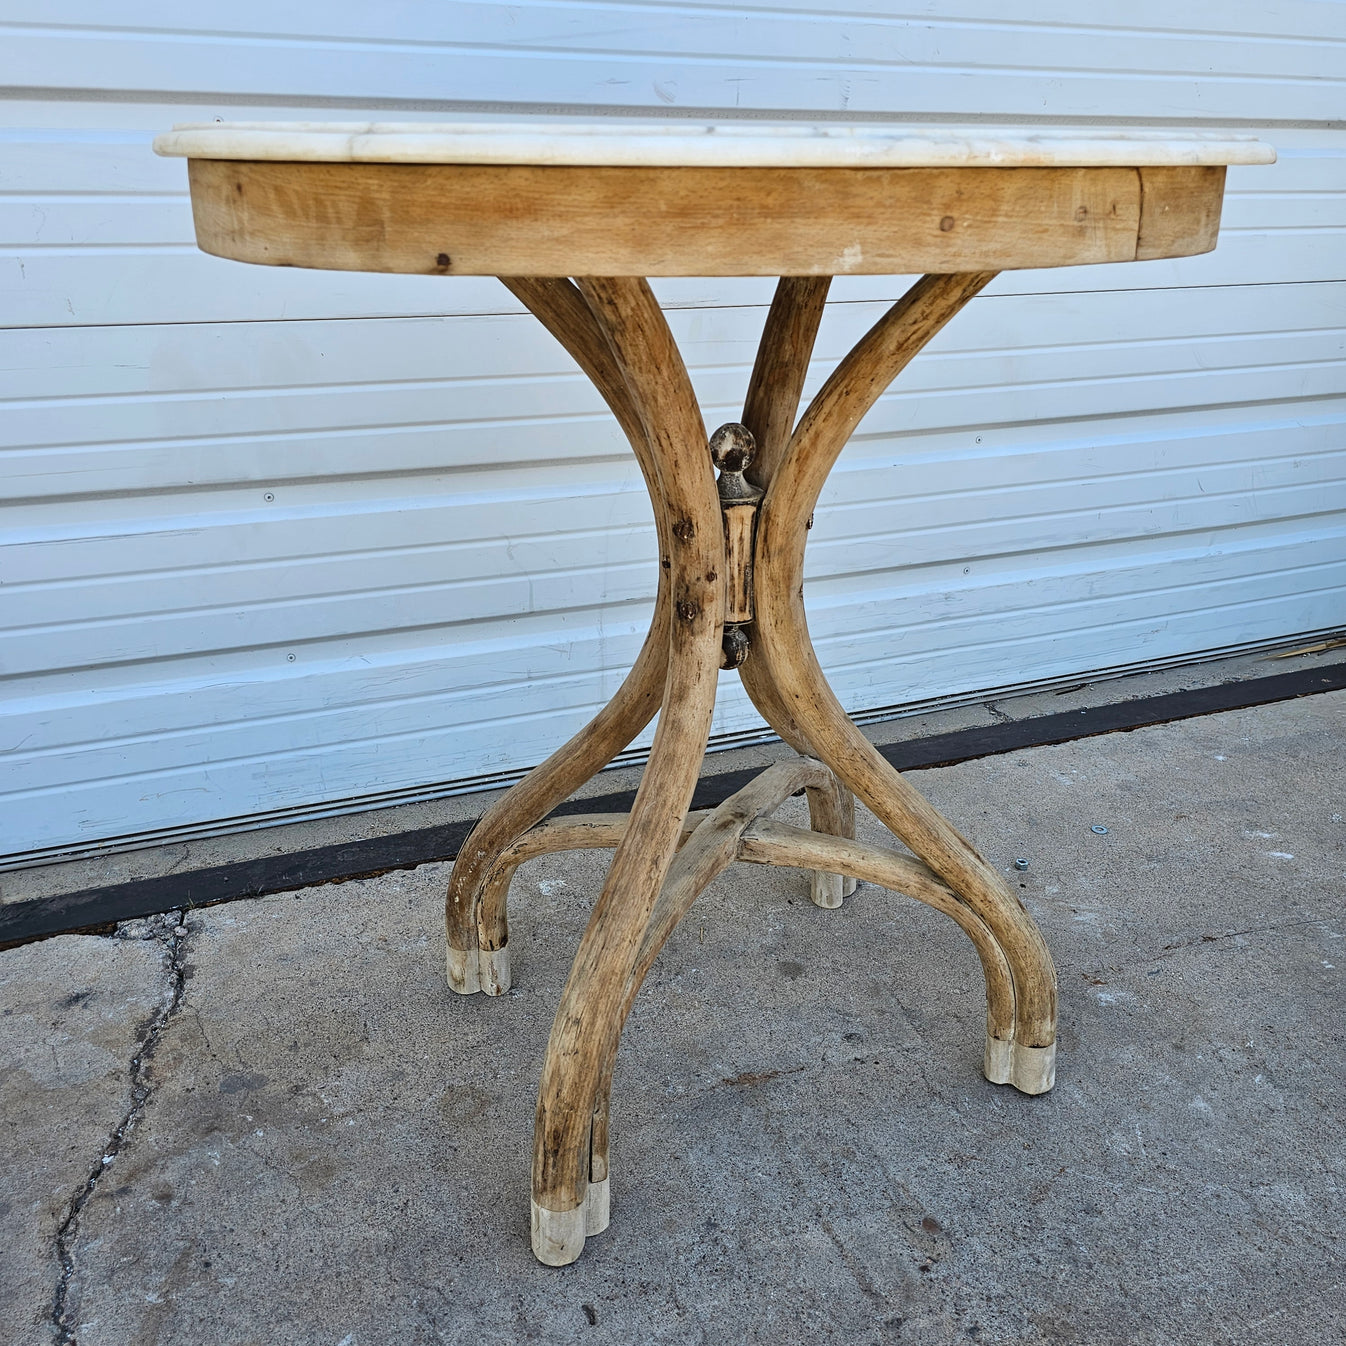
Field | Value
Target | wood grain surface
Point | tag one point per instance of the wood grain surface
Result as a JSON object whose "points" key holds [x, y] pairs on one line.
{"points": [[451, 219]]}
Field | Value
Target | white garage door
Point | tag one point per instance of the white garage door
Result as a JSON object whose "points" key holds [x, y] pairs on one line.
{"points": [[278, 543]]}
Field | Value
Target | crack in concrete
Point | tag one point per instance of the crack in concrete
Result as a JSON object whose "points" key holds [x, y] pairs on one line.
{"points": [[1179, 945], [147, 1041], [1098, 976]]}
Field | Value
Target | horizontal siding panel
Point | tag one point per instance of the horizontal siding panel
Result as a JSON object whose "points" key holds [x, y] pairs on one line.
{"points": [[570, 662], [1007, 481], [159, 409], [1195, 585], [1290, 21], [1129, 605], [691, 57], [297, 600], [941, 609]]}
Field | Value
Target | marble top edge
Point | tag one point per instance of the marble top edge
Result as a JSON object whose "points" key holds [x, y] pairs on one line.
{"points": [[708, 145]]}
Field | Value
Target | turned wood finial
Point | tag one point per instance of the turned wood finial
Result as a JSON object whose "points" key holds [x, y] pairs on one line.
{"points": [[732, 449]]}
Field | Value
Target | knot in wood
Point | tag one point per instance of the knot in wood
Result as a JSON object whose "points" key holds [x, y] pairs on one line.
{"points": [[684, 530], [732, 449], [688, 610]]}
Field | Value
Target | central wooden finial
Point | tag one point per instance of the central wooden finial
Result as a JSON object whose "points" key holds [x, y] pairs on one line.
{"points": [[732, 448]]}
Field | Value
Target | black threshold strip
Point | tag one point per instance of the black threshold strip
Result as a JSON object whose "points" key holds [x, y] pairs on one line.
{"points": [[21, 922]]}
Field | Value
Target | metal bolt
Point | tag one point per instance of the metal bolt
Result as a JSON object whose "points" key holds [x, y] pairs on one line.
{"points": [[1021, 863], [1100, 829]]}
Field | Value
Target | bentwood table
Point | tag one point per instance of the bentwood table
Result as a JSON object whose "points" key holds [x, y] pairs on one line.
{"points": [[612, 203]]}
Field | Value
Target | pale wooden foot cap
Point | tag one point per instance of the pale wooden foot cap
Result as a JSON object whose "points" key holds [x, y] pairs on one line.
{"points": [[999, 1060], [558, 1235], [463, 975], [596, 1207], [827, 890], [1031, 1070], [493, 970], [1034, 1069]]}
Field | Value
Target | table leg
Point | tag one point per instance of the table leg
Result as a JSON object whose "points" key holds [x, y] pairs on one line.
{"points": [[589, 1016], [1025, 1055], [769, 412], [477, 934]]}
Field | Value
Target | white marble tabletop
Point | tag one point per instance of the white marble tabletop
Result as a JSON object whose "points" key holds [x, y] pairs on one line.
{"points": [[707, 145]]}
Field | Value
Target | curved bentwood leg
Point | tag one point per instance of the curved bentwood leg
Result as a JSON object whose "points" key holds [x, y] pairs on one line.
{"points": [[478, 950], [1025, 1058], [589, 1017], [769, 411]]}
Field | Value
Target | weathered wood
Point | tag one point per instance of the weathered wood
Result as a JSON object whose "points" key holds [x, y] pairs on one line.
{"points": [[779, 371], [694, 214], [574, 832], [782, 637], [710, 850], [516, 220], [577, 832], [731, 450], [1179, 211], [832, 812], [476, 951], [1030, 1069], [714, 846], [769, 412], [588, 1018], [738, 561], [648, 889]]}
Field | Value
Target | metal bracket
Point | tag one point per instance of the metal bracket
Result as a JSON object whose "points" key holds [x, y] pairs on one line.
{"points": [[731, 450]]}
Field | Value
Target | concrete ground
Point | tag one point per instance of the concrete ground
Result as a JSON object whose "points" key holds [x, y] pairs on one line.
{"points": [[270, 1122]]}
